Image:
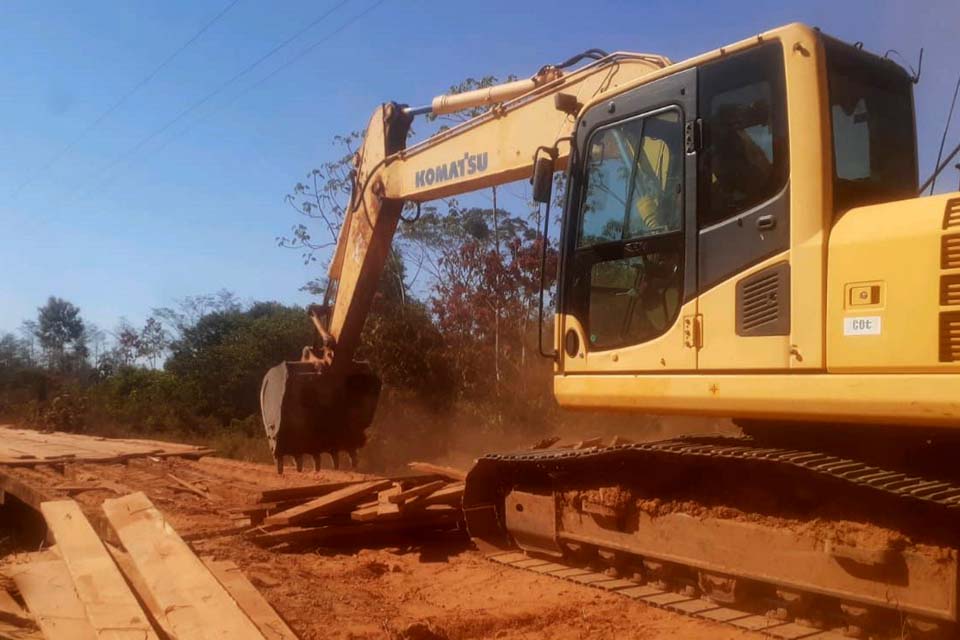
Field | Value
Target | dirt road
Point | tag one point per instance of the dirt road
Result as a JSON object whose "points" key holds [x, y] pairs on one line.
{"points": [[407, 591]]}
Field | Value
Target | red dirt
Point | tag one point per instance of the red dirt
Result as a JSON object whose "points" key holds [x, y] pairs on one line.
{"points": [[441, 588]]}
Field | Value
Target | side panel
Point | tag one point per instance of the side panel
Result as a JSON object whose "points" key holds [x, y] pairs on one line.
{"points": [[894, 288], [723, 348]]}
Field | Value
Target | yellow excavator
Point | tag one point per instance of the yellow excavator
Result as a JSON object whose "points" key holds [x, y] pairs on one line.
{"points": [[742, 236]]}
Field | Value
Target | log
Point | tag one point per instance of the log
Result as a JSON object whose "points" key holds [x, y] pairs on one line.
{"points": [[339, 500]]}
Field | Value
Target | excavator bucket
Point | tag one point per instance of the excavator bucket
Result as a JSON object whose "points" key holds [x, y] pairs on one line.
{"points": [[306, 412]]}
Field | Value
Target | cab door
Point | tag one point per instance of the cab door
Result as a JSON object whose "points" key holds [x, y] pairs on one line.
{"points": [[628, 301]]}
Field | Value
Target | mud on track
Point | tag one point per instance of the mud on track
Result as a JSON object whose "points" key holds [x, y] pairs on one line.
{"points": [[401, 591]]}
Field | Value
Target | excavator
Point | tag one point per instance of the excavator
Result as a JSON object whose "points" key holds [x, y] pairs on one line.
{"points": [[743, 236]]}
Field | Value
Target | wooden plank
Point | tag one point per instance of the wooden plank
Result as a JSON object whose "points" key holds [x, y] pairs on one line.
{"points": [[47, 588], [188, 486], [150, 605], [339, 500], [451, 494], [416, 492], [24, 447], [386, 508], [444, 472], [316, 490], [12, 613], [110, 604], [196, 604], [10, 631], [253, 603], [351, 532]]}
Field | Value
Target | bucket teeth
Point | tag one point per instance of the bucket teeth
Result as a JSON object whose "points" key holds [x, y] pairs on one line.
{"points": [[335, 455], [298, 460], [279, 465]]}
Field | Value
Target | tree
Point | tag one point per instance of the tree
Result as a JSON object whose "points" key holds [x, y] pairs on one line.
{"points": [[97, 339], [126, 343], [60, 331], [190, 309], [13, 353], [153, 341]]}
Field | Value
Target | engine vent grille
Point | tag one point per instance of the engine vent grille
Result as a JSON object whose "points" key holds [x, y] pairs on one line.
{"points": [[950, 251], [951, 213], [949, 336], [763, 302], [950, 290]]}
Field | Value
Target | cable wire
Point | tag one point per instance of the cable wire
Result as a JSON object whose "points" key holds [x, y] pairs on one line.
{"points": [[270, 75], [943, 140], [123, 99], [128, 155]]}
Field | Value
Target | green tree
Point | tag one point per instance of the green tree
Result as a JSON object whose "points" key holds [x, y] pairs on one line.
{"points": [[60, 332]]}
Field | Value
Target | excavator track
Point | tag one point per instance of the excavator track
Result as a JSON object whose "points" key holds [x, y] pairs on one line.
{"points": [[549, 505]]}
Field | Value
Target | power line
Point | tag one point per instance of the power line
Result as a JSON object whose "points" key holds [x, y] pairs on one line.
{"points": [[270, 75], [128, 155], [122, 100]]}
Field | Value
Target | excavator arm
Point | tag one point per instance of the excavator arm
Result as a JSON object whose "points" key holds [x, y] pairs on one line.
{"points": [[324, 402]]}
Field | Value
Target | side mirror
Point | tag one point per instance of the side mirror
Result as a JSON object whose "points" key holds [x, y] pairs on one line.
{"points": [[542, 179]]}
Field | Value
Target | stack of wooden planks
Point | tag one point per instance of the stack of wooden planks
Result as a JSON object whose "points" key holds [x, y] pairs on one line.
{"points": [[152, 587], [27, 448], [358, 511]]}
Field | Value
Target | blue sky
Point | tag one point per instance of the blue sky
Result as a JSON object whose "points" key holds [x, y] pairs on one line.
{"points": [[200, 212]]}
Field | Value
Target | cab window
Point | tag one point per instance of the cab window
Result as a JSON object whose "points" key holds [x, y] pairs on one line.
{"points": [[629, 249], [871, 114], [744, 161]]}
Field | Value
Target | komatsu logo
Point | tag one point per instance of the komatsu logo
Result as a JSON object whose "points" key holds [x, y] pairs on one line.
{"points": [[470, 164]]}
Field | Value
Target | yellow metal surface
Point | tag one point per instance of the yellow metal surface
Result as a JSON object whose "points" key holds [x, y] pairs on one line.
{"points": [[722, 348], [884, 288], [498, 146], [665, 353], [904, 399]]}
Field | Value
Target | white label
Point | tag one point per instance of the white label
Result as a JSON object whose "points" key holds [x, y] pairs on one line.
{"points": [[864, 326]]}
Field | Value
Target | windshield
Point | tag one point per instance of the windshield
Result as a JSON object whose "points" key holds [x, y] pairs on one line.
{"points": [[871, 112]]}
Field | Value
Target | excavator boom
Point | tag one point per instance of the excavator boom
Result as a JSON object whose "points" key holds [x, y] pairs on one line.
{"points": [[324, 402]]}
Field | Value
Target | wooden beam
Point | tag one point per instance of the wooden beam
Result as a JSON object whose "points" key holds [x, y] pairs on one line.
{"points": [[47, 588], [150, 605], [110, 604], [451, 494], [189, 486], [337, 501], [357, 532], [25, 493], [271, 625], [12, 613], [196, 604], [422, 490], [317, 490]]}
